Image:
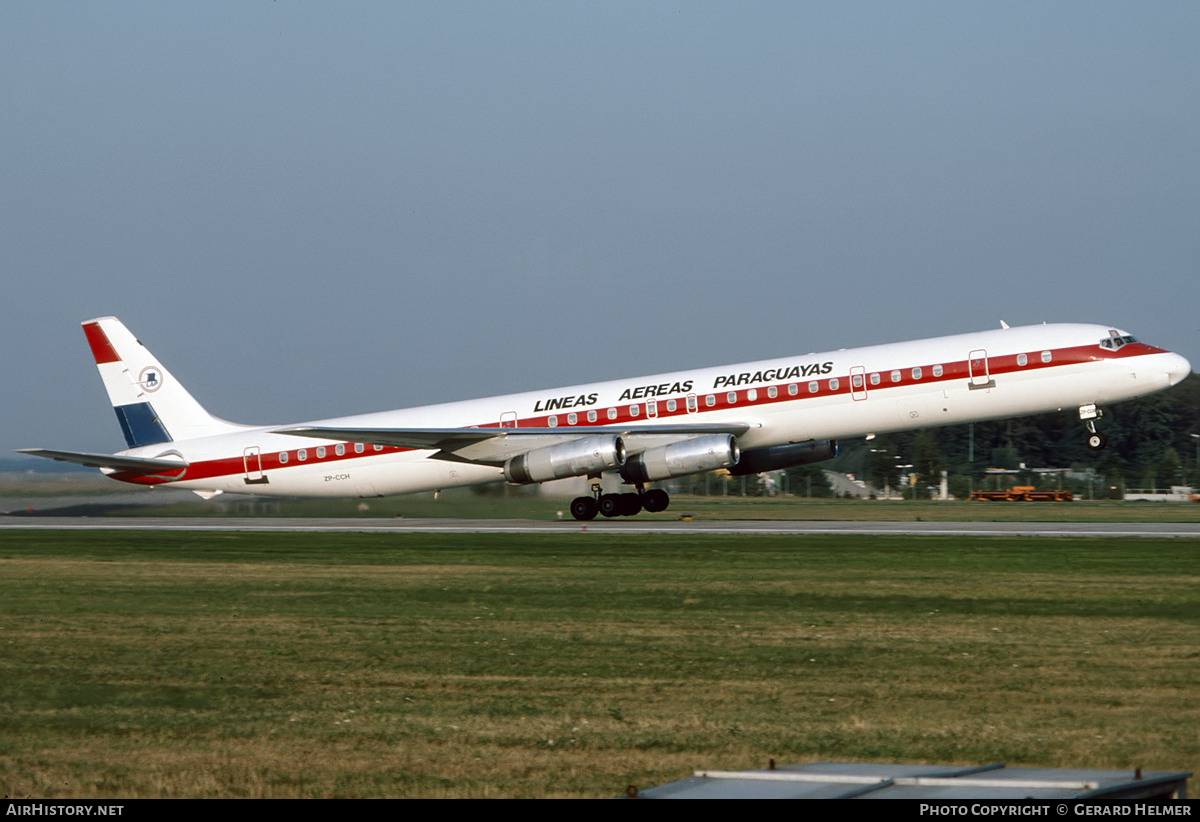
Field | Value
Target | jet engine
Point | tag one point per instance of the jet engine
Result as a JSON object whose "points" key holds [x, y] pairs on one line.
{"points": [[706, 453], [784, 456], [587, 455]]}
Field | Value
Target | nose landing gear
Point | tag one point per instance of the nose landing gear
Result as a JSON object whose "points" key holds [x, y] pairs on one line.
{"points": [[1089, 414]]}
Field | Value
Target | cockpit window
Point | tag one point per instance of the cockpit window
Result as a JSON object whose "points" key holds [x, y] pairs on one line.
{"points": [[1115, 342]]}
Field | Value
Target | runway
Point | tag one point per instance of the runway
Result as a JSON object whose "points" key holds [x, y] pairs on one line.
{"points": [[619, 526]]}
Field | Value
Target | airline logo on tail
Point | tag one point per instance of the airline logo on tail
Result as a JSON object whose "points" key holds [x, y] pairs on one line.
{"points": [[149, 379]]}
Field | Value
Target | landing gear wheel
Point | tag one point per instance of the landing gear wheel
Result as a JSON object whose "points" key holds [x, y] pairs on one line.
{"points": [[1089, 414], [631, 505], [583, 508], [655, 501], [610, 505]]}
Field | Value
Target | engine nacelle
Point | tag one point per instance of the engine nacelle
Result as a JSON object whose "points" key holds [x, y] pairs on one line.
{"points": [[588, 455], [784, 456], [678, 459]]}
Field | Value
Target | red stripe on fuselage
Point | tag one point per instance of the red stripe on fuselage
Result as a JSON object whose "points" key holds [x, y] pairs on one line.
{"points": [[951, 372], [268, 461]]}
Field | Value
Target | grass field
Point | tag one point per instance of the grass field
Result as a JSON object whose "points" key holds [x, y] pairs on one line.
{"points": [[363, 665]]}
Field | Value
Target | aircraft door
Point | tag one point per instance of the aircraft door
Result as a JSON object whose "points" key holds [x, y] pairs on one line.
{"points": [[252, 462], [858, 382], [977, 368]]}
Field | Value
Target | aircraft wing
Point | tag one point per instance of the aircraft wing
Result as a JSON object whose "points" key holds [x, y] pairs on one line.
{"points": [[147, 465], [492, 446]]}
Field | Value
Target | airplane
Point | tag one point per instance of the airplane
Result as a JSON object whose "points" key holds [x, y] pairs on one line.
{"points": [[746, 418]]}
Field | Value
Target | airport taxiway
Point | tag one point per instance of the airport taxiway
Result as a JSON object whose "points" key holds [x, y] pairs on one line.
{"points": [[616, 526]]}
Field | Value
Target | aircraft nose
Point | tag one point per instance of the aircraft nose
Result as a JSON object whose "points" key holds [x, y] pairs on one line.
{"points": [[1177, 368]]}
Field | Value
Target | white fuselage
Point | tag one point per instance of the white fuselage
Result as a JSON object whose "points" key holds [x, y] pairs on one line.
{"points": [[835, 395]]}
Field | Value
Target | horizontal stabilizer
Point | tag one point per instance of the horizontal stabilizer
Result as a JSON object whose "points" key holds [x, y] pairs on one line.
{"points": [[144, 464]]}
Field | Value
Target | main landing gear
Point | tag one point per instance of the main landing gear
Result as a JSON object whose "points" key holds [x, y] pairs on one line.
{"points": [[1089, 414], [619, 505]]}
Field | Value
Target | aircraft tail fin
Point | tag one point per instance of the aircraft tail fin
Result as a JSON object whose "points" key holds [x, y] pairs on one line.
{"points": [[151, 405]]}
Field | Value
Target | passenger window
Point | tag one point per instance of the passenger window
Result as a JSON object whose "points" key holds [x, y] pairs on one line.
{"points": [[1045, 356], [302, 455], [633, 410], [283, 457], [340, 450], [751, 395], [592, 415], [874, 379], [612, 413], [813, 387], [377, 447], [895, 376], [710, 400], [856, 381], [916, 373], [552, 421], [320, 452], [731, 397], [772, 392], [937, 371], [359, 448], [691, 403], [671, 405], [572, 418], [833, 384], [1022, 359]]}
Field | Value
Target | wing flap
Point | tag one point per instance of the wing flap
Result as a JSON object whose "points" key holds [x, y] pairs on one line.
{"points": [[492, 446], [428, 438]]}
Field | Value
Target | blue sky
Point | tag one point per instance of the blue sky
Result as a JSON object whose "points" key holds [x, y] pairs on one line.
{"points": [[313, 209]]}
